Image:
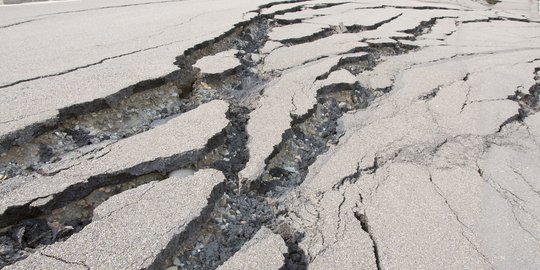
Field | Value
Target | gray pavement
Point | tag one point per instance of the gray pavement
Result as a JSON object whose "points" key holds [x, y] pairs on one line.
{"points": [[377, 134], [264, 251]]}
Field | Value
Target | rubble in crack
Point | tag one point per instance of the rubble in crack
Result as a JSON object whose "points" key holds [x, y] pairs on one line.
{"points": [[355, 135]]}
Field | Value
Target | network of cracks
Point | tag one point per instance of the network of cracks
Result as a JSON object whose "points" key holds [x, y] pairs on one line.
{"points": [[242, 209]]}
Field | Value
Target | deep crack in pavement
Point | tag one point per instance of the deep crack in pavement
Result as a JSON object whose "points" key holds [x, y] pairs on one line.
{"points": [[294, 128]]}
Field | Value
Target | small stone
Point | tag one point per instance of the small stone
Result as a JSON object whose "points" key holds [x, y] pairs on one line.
{"points": [[290, 169], [181, 173], [172, 268], [255, 57], [222, 202], [219, 219], [177, 262]]}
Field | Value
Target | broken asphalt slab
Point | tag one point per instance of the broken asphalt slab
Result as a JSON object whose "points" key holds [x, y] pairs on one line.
{"points": [[178, 142], [264, 251], [136, 229]]}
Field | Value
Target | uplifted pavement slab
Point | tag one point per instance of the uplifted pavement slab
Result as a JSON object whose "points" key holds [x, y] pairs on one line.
{"points": [[218, 63], [264, 251], [135, 229], [178, 142]]}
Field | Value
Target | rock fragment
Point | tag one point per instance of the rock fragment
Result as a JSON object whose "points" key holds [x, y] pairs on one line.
{"points": [[293, 95]]}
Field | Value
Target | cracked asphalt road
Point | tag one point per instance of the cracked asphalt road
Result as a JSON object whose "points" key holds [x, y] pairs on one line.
{"points": [[319, 134]]}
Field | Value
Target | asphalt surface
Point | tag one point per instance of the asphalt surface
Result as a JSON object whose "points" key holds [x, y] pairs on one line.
{"points": [[428, 160]]}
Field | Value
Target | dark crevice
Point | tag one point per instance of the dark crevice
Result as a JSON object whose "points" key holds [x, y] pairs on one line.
{"points": [[492, 2], [287, 165], [66, 262], [319, 35], [431, 94], [365, 227], [411, 7], [354, 64], [352, 178], [287, 22], [500, 19], [327, 5], [528, 102], [333, 31], [269, 5], [296, 258], [84, 66], [359, 28], [17, 23], [511, 119], [425, 26]]}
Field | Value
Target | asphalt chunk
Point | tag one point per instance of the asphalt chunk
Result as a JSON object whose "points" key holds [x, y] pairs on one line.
{"points": [[264, 251]]}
